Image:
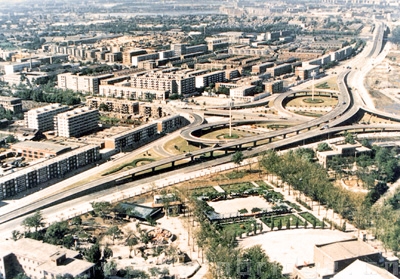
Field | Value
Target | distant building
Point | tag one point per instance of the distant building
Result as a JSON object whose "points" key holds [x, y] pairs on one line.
{"points": [[77, 122], [274, 87], [37, 259], [84, 83], [305, 72], [128, 54], [114, 105], [145, 134], [205, 80], [43, 118], [11, 103]]}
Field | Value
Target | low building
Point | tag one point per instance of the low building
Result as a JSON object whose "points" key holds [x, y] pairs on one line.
{"points": [[41, 260], [359, 269], [11, 103], [137, 211], [345, 150], [332, 258], [35, 150]]}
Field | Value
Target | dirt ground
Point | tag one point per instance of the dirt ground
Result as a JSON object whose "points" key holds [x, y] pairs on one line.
{"points": [[383, 83], [234, 205]]}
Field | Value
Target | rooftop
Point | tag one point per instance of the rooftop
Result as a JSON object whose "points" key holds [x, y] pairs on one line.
{"points": [[347, 249], [42, 253], [48, 146], [360, 269]]}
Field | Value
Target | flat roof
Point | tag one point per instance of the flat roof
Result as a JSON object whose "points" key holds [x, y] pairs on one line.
{"points": [[48, 146], [347, 249], [42, 253]]}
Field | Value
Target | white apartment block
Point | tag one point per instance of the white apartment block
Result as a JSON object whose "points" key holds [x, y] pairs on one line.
{"points": [[43, 118], [84, 83], [209, 78], [174, 83], [76, 122]]}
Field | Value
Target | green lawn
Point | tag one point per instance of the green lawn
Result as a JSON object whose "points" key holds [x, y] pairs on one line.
{"points": [[284, 219], [310, 218], [264, 185], [239, 228], [204, 191], [294, 205], [237, 187]]}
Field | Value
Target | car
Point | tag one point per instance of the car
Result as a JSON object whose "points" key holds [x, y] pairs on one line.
{"points": [[188, 154], [343, 103]]}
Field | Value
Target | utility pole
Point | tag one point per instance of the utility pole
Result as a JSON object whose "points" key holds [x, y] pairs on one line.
{"points": [[313, 76], [230, 118]]}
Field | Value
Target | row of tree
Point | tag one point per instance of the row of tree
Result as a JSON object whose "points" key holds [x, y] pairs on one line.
{"points": [[307, 177], [225, 258]]}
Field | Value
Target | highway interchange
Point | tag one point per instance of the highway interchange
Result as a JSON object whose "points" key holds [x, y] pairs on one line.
{"points": [[350, 103]]}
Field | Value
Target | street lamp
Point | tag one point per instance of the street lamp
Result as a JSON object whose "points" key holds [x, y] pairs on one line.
{"points": [[231, 103], [313, 76]]}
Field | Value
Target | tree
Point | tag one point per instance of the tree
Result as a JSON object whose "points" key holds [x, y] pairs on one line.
{"points": [[288, 224], [101, 208], [323, 146], [131, 241], [107, 253], [16, 235], [237, 158], [103, 107], [110, 269], [77, 221], [280, 224], [114, 232], [134, 273], [56, 232], [256, 264], [34, 221], [93, 254]]}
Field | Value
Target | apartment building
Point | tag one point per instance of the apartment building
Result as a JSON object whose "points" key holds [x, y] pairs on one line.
{"points": [[126, 91], [37, 259], [307, 71], [114, 105], [77, 122], [261, 68], [274, 87], [144, 57], [32, 176], [43, 118], [128, 54], [205, 80], [280, 70], [84, 83], [11, 103], [145, 134]]}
